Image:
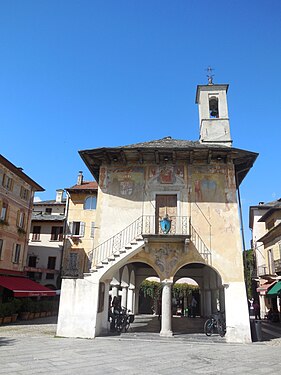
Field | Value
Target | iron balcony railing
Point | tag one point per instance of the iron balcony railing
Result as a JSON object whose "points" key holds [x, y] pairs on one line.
{"points": [[147, 225]]}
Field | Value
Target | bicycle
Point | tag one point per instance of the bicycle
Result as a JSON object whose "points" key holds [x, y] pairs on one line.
{"points": [[215, 324], [123, 320]]}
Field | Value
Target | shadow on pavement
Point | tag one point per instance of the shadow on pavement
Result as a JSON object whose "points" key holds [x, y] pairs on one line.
{"points": [[4, 341]]}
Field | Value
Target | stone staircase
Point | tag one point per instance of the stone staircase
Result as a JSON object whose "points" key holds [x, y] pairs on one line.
{"points": [[130, 240]]}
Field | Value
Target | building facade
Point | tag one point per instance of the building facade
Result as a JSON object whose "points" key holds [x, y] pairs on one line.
{"points": [[16, 202], [46, 240], [166, 208], [265, 222], [80, 232]]}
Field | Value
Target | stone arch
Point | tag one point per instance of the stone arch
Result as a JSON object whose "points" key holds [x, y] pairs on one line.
{"points": [[211, 296]]}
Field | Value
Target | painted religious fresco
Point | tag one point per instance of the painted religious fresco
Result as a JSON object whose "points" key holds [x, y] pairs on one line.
{"points": [[213, 184], [167, 174], [125, 182]]}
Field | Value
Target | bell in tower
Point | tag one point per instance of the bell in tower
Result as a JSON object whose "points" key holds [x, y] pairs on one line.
{"points": [[213, 113]]}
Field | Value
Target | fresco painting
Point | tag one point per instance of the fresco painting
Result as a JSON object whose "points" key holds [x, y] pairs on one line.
{"points": [[167, 174], [125, 182], [211, 184]]}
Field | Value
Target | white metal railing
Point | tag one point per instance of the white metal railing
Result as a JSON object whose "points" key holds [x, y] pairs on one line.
{"points": [[148, 225]]}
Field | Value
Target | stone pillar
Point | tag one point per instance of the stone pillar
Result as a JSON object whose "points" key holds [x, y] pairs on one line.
{"points": [[114, 291], [166, 317], [104, 313], [214, 301], [208, 303], [124, 296], [184, 305], [130, 298], [262, 307], [236, 313], [136, 301]]}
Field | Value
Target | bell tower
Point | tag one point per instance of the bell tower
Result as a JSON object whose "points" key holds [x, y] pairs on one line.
{"points": [[213, 113]]}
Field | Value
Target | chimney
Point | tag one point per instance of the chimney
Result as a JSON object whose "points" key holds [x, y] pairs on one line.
{"points": [[59, 195], [80, 178]]}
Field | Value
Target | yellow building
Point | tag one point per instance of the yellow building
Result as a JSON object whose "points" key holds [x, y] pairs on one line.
{"points": [[80, 232], [166, 208], [265, 222]]}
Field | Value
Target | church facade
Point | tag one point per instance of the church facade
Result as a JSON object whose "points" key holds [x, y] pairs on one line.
{"points": [[166, 208]]}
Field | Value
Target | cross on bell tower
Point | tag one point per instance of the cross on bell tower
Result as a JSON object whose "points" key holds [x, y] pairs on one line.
{"points": [[213, 112]]}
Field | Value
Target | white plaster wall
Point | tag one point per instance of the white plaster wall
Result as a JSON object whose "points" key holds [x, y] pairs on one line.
{"points": [[78, 308], [237, 314]]}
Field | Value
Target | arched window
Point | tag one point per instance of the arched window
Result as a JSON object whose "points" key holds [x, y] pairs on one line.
{"points": [[90, 203], [214, 107]]}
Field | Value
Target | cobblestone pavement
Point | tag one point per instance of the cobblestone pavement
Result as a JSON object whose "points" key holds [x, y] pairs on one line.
{"points": [[32, 348]]}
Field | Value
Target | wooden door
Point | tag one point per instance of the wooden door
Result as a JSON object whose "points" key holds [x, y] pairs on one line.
{"points": [[166, 205]]}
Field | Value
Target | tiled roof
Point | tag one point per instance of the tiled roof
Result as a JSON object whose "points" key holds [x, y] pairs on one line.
{"points": [[86, 185], [169, 142]]}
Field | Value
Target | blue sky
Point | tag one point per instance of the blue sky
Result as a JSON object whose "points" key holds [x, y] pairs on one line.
{"points": [[83, 74]]}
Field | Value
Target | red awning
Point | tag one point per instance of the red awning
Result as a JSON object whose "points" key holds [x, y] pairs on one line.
{"points": [[262, 289], [25, 288]]}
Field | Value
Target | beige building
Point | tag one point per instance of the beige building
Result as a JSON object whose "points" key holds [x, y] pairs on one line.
{"points": [[80, 232], [265, 222], [16, 202], [46, 241], [166, 208]]}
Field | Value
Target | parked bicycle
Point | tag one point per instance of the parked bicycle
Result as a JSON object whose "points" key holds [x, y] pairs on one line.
{"points": [[215, 324], [122, 320]]}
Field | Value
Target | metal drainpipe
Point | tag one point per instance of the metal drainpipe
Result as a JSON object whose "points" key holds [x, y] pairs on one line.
{"points": [[242, 233], [64, 232]]}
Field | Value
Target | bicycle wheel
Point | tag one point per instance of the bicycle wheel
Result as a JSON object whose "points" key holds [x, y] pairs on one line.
{"points": [[221, 328], [127, 324], [209, 327]]}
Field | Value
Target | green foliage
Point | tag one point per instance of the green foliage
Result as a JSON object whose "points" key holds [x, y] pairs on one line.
{"points": [[183, 290], [9, 308], [150, 289], [249, 265], [153, 289]]}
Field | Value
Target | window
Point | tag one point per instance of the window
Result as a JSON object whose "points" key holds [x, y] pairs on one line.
{"points": [[20, 221], [50, 276], [77, 228], [7, 182], [90, 203], [214, 107], [3, 211], [51, 263], [1, 247], [36, 233], [24, 193], [57, 234], [32, 260], [16, 254], [48, 211]]}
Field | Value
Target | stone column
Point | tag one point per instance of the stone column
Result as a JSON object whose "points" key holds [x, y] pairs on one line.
{"points": [[104, 319], [166, 318], [124, 296], [208, 303], [136, 301], [130, 298]]}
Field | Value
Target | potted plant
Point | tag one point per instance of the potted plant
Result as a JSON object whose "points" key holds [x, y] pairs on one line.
{"points": [[16, 304], [7, 311], [24, 309]]}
